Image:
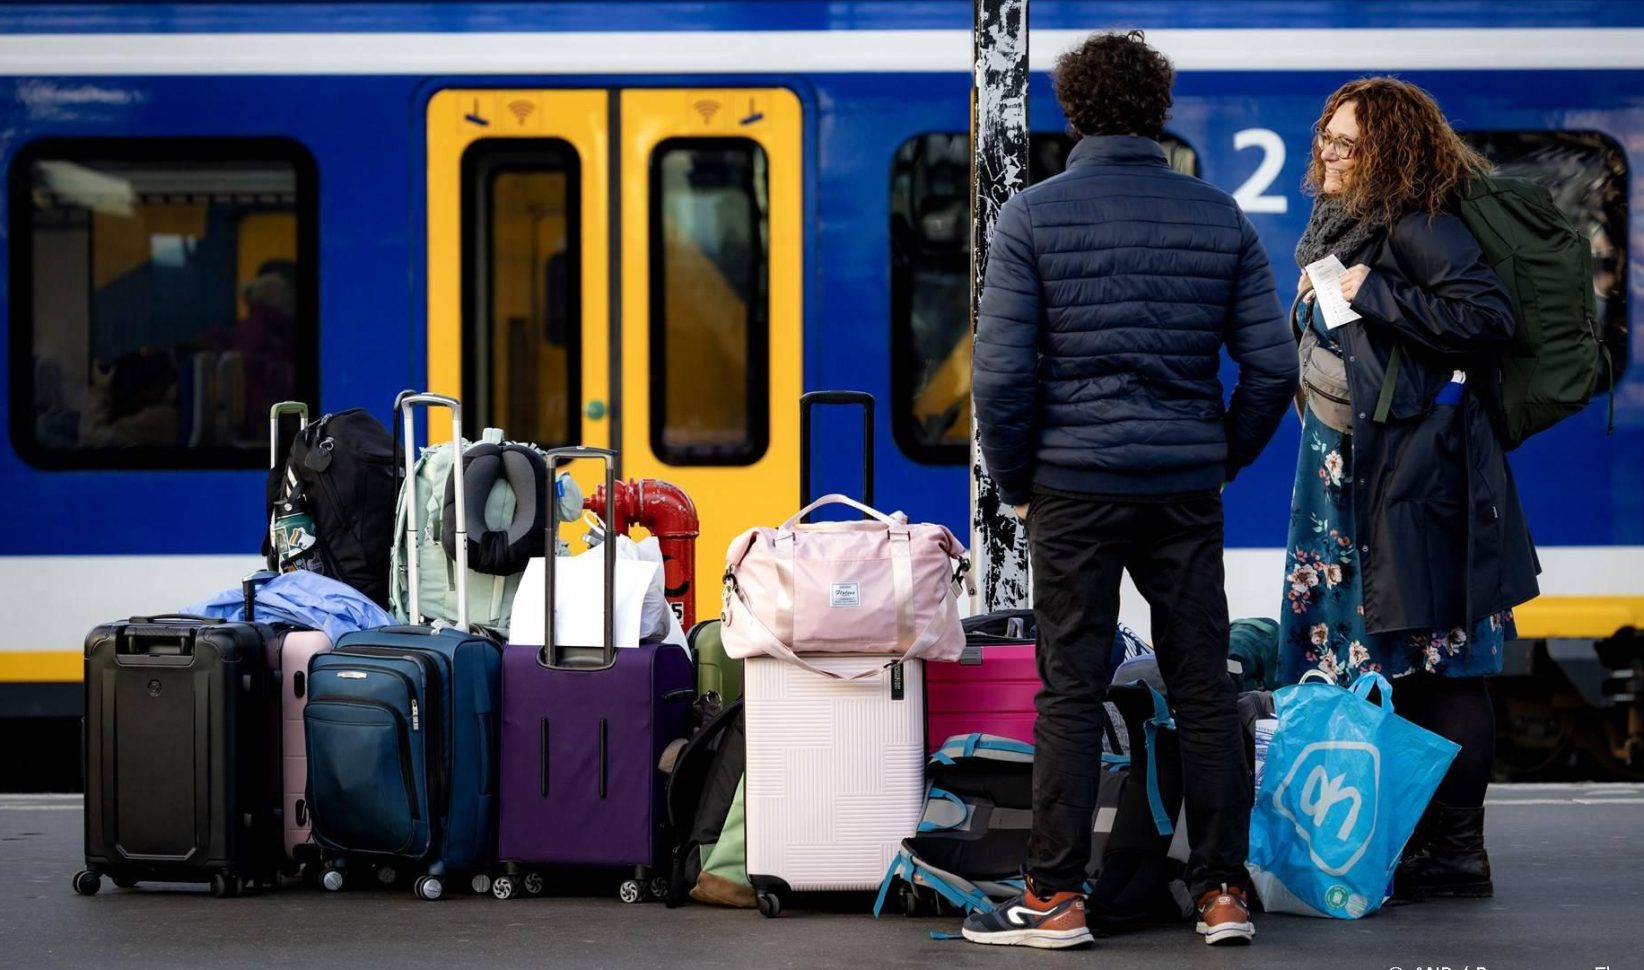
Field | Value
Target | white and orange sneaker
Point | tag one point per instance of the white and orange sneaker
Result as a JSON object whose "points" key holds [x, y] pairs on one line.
{"points": [[1224, 916], [1051, 922]]}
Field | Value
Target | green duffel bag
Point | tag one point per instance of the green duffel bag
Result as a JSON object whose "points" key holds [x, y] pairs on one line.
{"points": [[715, 671], [1253, 653]]}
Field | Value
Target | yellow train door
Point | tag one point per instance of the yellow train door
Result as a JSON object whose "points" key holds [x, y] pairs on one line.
{"points": [[676, 340]]}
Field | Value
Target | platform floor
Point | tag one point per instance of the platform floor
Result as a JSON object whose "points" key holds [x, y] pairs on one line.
{"points": [[1569, 870]]}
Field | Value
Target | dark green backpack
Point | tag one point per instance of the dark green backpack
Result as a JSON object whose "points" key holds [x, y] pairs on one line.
{"points": [[1551, 368]]}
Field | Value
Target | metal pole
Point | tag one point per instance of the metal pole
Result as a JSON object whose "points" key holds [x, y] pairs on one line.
{"points": [[998, 170]]}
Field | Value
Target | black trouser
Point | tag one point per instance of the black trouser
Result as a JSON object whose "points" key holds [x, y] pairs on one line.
{"points": [[1172, 546]]}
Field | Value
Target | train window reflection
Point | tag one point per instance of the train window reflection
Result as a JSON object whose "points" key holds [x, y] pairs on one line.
{"points": [[930, 283], [1586, 172], [163, 297], [524, 297], [709, 301]]}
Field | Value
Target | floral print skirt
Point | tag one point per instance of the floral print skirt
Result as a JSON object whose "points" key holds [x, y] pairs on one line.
{"points": [[1322, 624]]}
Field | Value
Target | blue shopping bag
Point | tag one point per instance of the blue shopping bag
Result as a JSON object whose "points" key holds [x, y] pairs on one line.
{"points": [[1345, 782]]}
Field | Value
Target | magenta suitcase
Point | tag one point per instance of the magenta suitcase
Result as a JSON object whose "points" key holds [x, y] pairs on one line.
{"points": [[990, 691]]}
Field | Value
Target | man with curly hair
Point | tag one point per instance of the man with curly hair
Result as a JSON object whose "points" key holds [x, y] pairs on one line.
{"points": [[1110, 292]]}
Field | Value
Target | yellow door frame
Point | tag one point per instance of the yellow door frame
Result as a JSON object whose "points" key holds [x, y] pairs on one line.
{"points": [[456, 120], [728, 498]]}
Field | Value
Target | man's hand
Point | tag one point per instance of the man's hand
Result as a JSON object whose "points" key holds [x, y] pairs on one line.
{"points": [[1021, 511], [1352, 280]]}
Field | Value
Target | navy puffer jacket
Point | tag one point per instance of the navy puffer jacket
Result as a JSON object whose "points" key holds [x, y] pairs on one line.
{"points": [[1110, 291]]}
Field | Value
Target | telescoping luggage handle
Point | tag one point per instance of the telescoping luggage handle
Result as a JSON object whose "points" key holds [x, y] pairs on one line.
{"points": [[277, 412], [553, 654], [810, 400], [405, 403]]}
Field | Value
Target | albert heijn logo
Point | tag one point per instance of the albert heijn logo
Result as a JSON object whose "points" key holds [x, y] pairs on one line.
{"points": [[1330, 796]]}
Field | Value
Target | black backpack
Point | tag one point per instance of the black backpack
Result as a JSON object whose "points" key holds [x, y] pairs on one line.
{"points": [[701, 789], [340, 471]]}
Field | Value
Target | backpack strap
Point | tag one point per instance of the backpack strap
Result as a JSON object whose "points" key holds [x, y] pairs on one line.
{"points": [[1161, 719], [1384, 401]]}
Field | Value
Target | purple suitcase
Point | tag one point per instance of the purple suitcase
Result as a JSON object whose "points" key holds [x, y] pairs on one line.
{"points": [[583, 731]]}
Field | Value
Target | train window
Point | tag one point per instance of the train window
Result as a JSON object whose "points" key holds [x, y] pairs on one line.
{"points": [[1586, 171], [710, 219], [522, 275], [162, 298], [930, 284]]}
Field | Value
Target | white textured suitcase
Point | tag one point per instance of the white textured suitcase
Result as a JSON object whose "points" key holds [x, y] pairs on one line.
{"points": [[835, 772]]}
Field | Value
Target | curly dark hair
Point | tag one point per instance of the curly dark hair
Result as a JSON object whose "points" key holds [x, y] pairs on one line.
{"points": [[1409, 159], [1114, 84]]}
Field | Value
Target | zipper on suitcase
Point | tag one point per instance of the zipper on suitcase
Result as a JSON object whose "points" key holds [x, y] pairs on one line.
{"points": [[414, 714], [438, 770], [407, 770]]}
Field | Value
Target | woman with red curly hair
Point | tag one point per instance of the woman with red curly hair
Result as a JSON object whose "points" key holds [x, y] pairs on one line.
{"points": [[1408, 547]]}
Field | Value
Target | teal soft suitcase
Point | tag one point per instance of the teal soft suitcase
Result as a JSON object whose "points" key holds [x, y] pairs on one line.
{"points": [[402, 727]]}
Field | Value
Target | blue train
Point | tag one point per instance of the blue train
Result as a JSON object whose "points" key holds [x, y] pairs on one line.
{"points": [[651, 225]]}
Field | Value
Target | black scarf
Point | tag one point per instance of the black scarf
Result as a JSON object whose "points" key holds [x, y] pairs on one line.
{"points": [[1331, 229]]}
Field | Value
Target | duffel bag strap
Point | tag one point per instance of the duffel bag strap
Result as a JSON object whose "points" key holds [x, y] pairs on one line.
{"points": [[837, 499]]}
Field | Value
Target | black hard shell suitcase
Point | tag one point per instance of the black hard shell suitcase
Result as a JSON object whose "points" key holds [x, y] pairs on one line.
{"points": [[180, 763]]}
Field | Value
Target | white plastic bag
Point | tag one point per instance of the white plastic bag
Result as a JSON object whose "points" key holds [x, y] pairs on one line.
{"points": [[579, 600], [654, 617]]}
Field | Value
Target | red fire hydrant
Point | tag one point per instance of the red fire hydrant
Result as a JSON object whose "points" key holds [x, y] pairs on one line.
{"points": [[665, 511]]}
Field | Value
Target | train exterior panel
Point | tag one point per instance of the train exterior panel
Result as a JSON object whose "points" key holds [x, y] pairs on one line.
{"points": [[803, 225]]}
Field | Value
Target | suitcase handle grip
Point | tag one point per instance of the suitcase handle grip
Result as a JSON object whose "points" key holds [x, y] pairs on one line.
{"points": [[164, 641], [192, 617]]}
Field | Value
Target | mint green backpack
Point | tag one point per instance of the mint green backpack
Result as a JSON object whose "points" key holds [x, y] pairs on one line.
{"points": [[490, 598]]}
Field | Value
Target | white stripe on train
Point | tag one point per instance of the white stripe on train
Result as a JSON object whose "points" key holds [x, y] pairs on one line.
{"points": [[59, 598], [1333, 51]]}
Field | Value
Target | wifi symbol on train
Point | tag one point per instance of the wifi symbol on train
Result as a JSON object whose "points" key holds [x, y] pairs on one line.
{"points": [[521, 109], [707, 109]]}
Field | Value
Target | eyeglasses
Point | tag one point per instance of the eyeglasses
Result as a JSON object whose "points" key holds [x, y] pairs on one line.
{"points": [[1343, 147]]}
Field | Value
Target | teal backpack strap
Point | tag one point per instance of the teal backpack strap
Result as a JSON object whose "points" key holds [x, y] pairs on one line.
{"points": [[943, 795], [1155, 802], [1384, 402], [901, 865]]}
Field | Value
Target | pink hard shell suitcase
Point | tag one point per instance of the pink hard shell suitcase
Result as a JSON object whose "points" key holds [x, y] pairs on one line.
{"points": [[300, 647], [989, 691], [290, 655]]}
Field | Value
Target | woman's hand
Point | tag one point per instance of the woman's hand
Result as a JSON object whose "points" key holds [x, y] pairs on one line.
{"points": [[1304, 287], [1352, 280], [1021, 511]]}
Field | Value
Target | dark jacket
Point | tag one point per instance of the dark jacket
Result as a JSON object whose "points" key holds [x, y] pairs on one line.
{"points": [[1110, 291], [1443, 539]]}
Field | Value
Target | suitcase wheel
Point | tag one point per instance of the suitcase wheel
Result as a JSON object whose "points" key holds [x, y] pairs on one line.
{"points": [[631, 891], [124, 882], [533, 884], [226, 885], [659, 887], [502, 887], [481, 883], [387, 875], [770, 905], [332, 880], [429, 888], [86, 883]]}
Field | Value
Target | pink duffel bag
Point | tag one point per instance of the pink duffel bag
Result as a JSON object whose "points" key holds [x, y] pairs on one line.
{"points": [[876, 586]]}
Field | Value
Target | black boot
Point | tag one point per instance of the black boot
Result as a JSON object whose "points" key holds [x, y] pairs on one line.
{"points": [[1452, 862]]}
